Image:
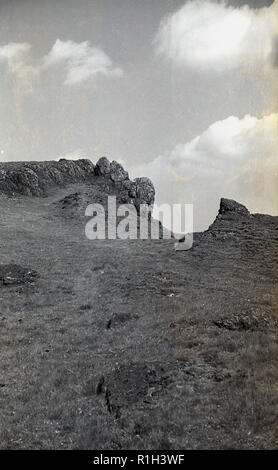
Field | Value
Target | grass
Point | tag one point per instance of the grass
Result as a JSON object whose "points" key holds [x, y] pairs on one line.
{"points": [[188, 361]]}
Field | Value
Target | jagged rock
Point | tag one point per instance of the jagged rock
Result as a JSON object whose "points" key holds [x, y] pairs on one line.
{"points": [[117, 173], [228, 205], [102, 167], [130, 187], [145, 191], [35, 178], [24, 182], [113, 170], [139, 191], [77, 168]]}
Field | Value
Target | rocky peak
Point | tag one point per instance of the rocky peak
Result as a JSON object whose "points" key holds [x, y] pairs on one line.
{"points": [[229, 205]]}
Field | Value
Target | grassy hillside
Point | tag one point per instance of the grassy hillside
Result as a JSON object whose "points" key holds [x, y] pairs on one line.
{"points": [[130, 344]]}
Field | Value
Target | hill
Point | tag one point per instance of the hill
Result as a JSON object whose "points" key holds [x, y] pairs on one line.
{"points": [[129, 344]]}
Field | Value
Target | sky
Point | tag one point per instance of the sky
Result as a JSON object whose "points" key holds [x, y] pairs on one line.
{"points": [[184, 92]]}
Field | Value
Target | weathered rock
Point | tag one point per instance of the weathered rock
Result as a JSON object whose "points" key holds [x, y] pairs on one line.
{"points": [[130, 187], [102, 167], [105, 178], [117, 173], [145, 191], [228, 205], [24, 181], [35, 178]]}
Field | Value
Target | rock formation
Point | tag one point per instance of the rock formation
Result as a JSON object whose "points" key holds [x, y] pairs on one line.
{"points": [[37, 178], [228, 205]]}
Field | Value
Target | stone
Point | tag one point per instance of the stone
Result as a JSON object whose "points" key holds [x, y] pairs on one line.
{"points": [[117, 173], [35, 178], [229, 205], [145, 191], [102, 167]]}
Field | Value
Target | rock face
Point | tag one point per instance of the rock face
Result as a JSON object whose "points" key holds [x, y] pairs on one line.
{"points": [[228, 205], [117, 173], [36, 178], [102, 167], [113, 170], [145, 191], [139, 191]]}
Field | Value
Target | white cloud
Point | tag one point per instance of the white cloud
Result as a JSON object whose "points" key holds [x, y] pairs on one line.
{"points": [[82, 61], [235, 158], [207, 35]]}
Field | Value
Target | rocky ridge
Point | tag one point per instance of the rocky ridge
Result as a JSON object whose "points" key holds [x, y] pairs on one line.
{"points": [[38, 178]]}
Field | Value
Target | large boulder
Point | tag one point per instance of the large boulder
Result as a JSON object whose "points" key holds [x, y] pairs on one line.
{"points": [[130, 187], [24, 181], [102, 167], [139, 191], [117, 173], [145, 191]]}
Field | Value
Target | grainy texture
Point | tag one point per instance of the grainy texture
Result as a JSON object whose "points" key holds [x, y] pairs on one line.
{"points": [[130, 344]]}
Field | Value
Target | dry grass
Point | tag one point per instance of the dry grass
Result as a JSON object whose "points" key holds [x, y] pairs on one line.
{"points": [[129, 344]]}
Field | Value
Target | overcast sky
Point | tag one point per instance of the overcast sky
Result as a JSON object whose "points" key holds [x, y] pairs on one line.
{"points": [[183, 92]]}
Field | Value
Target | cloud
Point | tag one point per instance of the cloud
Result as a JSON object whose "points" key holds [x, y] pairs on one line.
{"points": [[235, 158], [82, 61], [206, 35]]}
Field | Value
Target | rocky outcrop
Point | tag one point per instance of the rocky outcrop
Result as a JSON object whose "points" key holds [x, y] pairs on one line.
{"points": [[113, 170], [145, 191], [229, 205], [117, 173], [99, 181], [102, 167], [139, 191], [36, 178]]}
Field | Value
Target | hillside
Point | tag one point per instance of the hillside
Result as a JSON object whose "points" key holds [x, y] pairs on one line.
{"points": [[129, 344]]}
